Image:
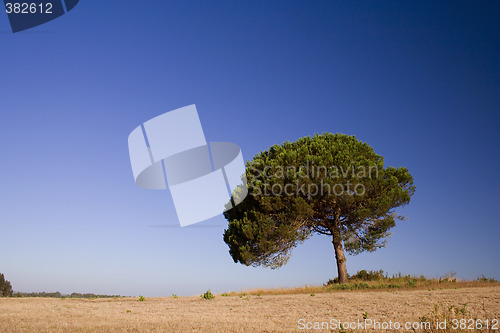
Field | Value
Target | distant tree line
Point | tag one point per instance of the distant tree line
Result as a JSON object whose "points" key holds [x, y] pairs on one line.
{"points": [[59, 295], [6, 291], [5, 287]]}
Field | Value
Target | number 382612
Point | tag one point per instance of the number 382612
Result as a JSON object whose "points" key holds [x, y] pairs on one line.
{"points": [[28, 8]]}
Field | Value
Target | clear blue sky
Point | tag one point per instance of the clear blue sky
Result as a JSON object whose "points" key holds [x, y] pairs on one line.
{"points": [[419, 81]]}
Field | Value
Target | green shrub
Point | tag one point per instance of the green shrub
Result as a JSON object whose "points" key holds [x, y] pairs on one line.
{"points": [[483, 278], [360, 275], [411, 283], [360, 286], [174, 296], [141, 299], [224, 294], [207, 295], [344, 286], [369, 275], [394, 285]]}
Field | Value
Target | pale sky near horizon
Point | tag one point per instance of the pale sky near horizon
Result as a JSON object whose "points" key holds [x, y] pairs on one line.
{"points": [[418, 81]]}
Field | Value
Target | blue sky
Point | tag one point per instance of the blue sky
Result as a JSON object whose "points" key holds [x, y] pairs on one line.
{"points": [[420, 82]]}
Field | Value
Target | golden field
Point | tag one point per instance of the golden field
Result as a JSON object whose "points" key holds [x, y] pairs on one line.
{"points": [[250, 313]]}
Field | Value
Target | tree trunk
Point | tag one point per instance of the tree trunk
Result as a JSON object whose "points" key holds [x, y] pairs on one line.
{"points": [[339, 255]]}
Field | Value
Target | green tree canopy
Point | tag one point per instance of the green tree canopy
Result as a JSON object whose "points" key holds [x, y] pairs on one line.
{"points": [[330, 184], [5, 287]]}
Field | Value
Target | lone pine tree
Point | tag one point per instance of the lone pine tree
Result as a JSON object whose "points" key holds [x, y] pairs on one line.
{"points": [[329, 184]]}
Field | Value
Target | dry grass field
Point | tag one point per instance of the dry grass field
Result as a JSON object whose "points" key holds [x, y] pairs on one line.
{"points": [[251, 313]]}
